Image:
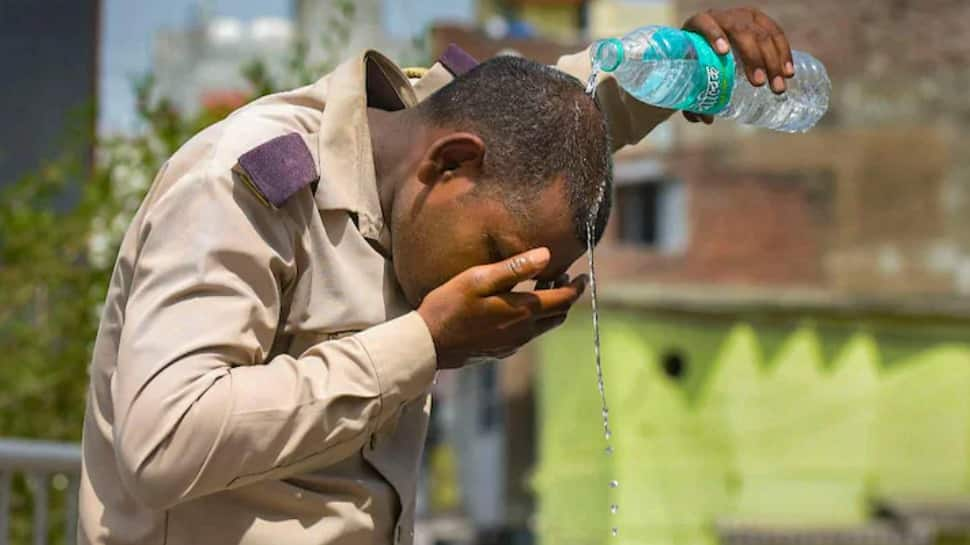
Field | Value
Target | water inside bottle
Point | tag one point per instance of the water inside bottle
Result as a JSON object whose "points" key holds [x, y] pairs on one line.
{"points": [[665, 83]]}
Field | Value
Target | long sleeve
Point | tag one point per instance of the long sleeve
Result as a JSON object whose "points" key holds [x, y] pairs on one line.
{"points": [[629, 119], [197, 406]]}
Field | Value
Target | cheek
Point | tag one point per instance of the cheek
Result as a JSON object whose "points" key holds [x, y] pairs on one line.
{"points": [[437, 235], [436, 250], [411, 273], [414, 251]]}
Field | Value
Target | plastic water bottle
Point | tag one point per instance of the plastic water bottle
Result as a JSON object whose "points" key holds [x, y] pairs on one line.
{"points": [[678, 69]]}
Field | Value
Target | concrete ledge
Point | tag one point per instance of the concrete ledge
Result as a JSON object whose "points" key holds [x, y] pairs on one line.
{"points": [[950, 516], [734, 300]]}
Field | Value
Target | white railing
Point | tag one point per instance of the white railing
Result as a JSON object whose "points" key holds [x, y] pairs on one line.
{"points": [[45, 465]]}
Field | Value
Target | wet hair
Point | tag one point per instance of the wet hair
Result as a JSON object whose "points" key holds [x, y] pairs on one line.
{"points": [[538, 125]]}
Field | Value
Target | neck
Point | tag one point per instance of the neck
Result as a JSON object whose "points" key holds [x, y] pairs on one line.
{"points": [[396, 145]]}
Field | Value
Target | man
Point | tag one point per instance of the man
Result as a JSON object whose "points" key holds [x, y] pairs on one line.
{"points": [[299, 271]]}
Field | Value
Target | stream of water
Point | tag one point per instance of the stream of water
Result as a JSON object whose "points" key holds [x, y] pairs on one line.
{"points": [[600, 384]]}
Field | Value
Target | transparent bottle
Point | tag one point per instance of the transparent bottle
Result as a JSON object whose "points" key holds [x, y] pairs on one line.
{"points": [[678, 69]]}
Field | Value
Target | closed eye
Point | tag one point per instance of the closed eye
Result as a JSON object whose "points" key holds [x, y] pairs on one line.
{"points": [[494, 254]]}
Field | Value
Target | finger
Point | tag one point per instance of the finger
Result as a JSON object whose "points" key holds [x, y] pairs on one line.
{"points": [[504, 275], [559, 300], [538, 304], [698, 118], [704, 24], [559, 282], [781, 43], [531, 330], [552, 322], [746, 44], [580, 282], [517, 305], [772, 59]]}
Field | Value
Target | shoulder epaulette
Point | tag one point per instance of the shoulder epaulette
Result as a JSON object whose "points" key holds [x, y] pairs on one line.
{"points": [[456, 60], [277, 169]]}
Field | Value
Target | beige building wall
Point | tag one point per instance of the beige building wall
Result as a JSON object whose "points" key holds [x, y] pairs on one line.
{"points": [[615, 17]]}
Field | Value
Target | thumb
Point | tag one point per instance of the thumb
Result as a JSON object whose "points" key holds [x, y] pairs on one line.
{"points": [[504, 275]]}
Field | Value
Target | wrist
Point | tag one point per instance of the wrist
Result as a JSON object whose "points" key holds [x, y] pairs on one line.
{"points": [[434, 326]]}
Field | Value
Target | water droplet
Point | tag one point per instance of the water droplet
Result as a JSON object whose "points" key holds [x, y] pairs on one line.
{"points": [[608, 435], [614, 508], [614, 484], [591, 82], [614, 532], [606, 413], [609, 449]]}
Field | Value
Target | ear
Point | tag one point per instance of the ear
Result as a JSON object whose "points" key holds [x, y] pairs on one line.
{"points": [[459, 151]]}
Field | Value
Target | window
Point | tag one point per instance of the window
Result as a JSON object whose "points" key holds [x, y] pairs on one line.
{"points": [[653, 212]]}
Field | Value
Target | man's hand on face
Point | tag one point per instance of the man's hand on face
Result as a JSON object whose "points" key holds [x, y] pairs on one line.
{"points": [[475, 314], [758, 41]]}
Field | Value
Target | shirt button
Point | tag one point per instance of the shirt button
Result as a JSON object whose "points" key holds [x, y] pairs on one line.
{"points": [[299, 495]]}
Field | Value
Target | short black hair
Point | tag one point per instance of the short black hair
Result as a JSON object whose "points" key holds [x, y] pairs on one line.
{"points": [[538, 125]]}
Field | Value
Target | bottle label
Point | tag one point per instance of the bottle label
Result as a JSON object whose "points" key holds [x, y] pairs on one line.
{"points": [[713, 81]]}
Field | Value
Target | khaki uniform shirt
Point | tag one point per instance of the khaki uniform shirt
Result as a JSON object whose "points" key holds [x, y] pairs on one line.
{"points": [[258, 376]]}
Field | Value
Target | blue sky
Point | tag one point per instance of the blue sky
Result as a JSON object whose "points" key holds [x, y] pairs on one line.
{"points": [[129, 25]]}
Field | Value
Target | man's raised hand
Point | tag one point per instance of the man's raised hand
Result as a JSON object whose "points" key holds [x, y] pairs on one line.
{"points": [[760, 43], [475, 314]]}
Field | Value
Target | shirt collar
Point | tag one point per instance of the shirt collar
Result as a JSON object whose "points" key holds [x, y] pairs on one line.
{"points": [[344, 156]]}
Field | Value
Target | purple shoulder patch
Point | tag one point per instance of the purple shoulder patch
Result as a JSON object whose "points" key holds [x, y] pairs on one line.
{"points": [[456, 60], [280, 167]]}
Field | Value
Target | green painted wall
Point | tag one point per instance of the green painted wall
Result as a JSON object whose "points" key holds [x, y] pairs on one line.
{"points": [[797, 422]]}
